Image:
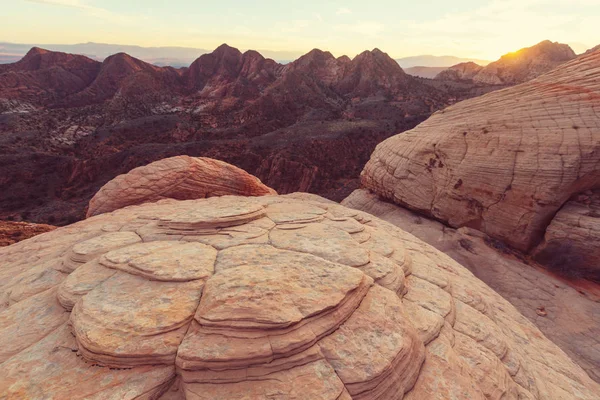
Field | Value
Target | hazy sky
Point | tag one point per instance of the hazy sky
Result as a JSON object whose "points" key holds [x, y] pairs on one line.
{"points": [[468, 28]]}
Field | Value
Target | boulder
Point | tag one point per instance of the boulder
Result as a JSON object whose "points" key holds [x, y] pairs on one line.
{"points": [[503, 163], [180, 177], [260, 297], [572, 241]]}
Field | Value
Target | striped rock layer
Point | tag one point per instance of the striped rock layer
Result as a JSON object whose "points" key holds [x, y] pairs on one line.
{"points": [[179, 177], [503, 163], [275, 297]]}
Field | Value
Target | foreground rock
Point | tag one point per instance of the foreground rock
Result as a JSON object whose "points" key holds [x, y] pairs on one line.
{"points": [[566, 311], [525, 64], [13, 232], [503, 163], [572, 241], [260, 297], [181, 178]]}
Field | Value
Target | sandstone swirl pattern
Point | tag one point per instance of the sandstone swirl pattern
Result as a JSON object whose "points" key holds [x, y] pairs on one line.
{"points": [[503, 163], [275, 297], [179, 177]]}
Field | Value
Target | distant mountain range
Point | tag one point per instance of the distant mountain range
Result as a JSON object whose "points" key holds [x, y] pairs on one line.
{"points": [[511, 69], [425, 72], [183, 56], [161, 56], [69, 123], [436, 61]]}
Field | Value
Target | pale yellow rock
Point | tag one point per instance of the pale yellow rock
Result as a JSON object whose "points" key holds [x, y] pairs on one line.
{"points": [[571, 307], [331, 303], [180, 178], [503, 163]]}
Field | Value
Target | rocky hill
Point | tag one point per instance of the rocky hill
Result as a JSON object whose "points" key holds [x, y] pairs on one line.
{"points": [[69, 124], [525, 64], [460, 72], [503, 163], [44, 78]]}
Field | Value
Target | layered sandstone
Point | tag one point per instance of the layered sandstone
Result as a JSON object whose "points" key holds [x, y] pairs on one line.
{"points": [[260, 297], [572, 240], [503, 163], [181, 178], [565, 310]]}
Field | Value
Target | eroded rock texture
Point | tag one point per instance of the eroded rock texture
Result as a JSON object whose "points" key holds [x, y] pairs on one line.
{"points": [[572, 241], [181, 178], [567, 311], [261, 298], [503, 163]]}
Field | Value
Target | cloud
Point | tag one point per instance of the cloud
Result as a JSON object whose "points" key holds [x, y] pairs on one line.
{"points": [[343, 10], [66, 3], [90, 10]]}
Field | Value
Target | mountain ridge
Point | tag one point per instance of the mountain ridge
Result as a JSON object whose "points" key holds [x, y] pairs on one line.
{"points": [[271, 119]]}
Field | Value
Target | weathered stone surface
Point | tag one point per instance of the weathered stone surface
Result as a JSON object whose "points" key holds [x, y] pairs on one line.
{"points": [[566, 311], [181, 178], [503, 163], [334, 304], [572, 241]]}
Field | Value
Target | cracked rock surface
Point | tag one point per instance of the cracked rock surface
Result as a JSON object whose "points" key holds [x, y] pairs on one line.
{"points": [[503, 163], [274, 297], [179, 177], [566, 311]]}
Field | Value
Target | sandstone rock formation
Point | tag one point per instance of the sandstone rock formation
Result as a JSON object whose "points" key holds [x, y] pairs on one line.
{"points": [[181, 178], [525, 64], [593, 49], [43, 77], [460, 72], [13, 232], [261, 297], [503, 163], [572, 241], [566, 311]]}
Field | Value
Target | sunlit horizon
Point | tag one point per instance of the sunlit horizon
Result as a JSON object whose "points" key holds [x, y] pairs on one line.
{"points": [[467, 28]]}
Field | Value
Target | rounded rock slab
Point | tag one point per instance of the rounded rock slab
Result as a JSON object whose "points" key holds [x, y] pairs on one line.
{"points": [[291, 318], [179, 177]]}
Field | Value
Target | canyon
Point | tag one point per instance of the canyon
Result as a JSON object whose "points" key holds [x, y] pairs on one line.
{"points": [[465, 249], [69, 124]]}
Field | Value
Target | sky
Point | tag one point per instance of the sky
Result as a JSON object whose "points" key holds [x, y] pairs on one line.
{"points": [[483, 29]]}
